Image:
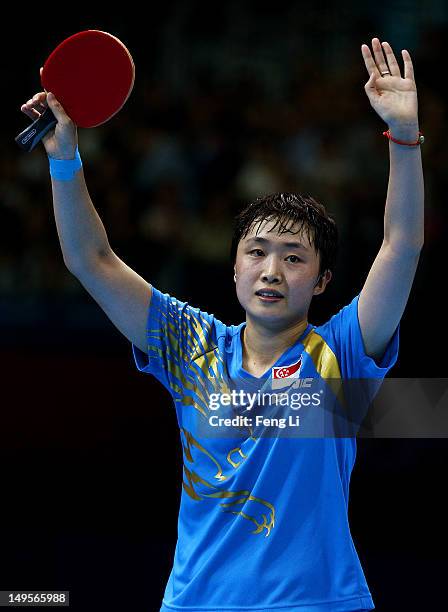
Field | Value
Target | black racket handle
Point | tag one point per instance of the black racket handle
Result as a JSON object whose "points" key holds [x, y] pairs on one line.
{"points": [[34, 133]]}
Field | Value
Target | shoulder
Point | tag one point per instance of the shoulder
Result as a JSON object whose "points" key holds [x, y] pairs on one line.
{"points": [[339, 326], [341, 335], [199, 329]]}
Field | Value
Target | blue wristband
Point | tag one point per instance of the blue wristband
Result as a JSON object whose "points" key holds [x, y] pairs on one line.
{"points": [[65, 169]]}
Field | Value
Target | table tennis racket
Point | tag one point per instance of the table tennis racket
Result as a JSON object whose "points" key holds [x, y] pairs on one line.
{"points": [[91, 74]]}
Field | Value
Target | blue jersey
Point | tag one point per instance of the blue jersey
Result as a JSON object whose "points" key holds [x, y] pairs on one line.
{"points": [[263, 522]]}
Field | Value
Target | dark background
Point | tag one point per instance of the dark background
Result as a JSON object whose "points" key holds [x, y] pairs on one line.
{"points": [[231, 101]]}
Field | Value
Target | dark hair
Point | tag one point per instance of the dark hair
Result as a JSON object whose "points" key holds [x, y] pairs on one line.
{"points": [[290, 209]]}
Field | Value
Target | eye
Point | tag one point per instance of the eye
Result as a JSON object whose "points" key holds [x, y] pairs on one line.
{"points": [[297, 259], [256, 251]]}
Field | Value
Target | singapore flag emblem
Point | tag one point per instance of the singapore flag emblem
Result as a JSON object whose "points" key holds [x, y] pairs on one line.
{"points": [[284, 376]]}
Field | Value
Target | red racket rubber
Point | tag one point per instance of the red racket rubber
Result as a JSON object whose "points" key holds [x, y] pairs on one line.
{"points": [[92, 75]]}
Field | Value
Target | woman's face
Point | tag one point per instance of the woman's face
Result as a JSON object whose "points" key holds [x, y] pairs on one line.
{"points": [[284, 263]]}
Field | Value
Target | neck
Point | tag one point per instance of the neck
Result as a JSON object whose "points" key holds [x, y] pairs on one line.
{"points": [[262, 347]]}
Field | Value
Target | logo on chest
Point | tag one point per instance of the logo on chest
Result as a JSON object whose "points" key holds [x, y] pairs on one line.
{"points": [[283, 376]]}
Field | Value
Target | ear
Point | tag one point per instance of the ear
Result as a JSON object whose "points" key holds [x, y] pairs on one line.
{"points": [[324, 279], [234, 273]]}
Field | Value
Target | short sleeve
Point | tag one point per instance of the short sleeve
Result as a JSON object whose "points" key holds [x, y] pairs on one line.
{"points": [[175, 332], [362, 375], [345, 335]]}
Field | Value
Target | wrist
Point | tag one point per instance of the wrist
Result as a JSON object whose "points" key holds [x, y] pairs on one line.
{"points": [[65, 169], [406, 132], [62, 156]]}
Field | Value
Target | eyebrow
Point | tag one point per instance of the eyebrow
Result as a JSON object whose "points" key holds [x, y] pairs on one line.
{"points": [[289, 245]]}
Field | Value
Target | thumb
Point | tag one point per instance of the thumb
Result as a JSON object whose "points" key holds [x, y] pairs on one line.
{"points": [[372, 78], [56, 107], [370, 86]]}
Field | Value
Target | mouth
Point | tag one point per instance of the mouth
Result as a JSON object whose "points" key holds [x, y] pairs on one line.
{"points": [[269, 295]]}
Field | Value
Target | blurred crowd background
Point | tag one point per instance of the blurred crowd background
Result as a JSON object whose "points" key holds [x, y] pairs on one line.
{"points": [[231, 101]]}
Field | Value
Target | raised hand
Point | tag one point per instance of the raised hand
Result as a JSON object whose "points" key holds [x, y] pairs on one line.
{"points": [[61, 142], [392, 96]]}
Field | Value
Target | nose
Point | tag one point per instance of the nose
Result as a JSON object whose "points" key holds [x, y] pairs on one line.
{"points": [[271, 272]]}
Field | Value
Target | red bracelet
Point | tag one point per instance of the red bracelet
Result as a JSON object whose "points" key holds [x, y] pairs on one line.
{"points": [[420, 140]]}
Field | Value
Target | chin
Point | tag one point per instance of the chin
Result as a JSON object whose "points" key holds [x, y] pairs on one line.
{"points": [[269, 317]]}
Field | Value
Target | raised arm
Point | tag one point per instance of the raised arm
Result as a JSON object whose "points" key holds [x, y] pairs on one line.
{"points": [[122, 293], [385, 293]]}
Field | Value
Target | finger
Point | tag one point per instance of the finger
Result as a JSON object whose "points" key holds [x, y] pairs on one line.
{"points": [[369, 61], [42, 104], [38, 103], [56, 108], [35, 105], [40, 99], [30, 112], [379, 56], [391, 60], [408, 67]]}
